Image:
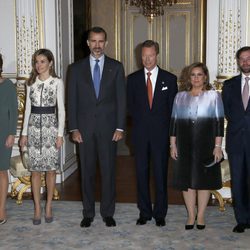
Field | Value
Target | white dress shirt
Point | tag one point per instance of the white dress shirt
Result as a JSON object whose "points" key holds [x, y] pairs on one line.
{"points": [[92, 61]]}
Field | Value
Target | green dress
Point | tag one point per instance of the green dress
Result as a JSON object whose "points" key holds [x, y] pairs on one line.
{"points": [[8, 120]]}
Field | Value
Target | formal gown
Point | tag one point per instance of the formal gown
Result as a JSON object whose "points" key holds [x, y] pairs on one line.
{"points": [[195, 122], [8, 120], [43, 129]]}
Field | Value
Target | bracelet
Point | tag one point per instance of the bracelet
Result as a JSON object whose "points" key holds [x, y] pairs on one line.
{"points": [[218, 146]]}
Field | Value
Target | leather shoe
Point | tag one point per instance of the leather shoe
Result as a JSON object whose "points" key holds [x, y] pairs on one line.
{"points": [[200, 227], [142, 221], [86, 222], [3, 221], [189, 227], [109, 221], [48, 219], [36, 222], [160, 222], [240, 228]]}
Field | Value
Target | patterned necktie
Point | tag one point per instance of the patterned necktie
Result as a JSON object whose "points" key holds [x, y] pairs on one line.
{"points": [[96, 78], [245, 93], [150, 90]]}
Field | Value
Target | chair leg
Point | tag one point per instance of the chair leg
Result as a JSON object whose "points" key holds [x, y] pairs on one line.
{"points": [[220, 199]]}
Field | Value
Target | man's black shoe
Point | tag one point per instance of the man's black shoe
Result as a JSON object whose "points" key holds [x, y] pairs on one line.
{"points": [[160, 222], [240, 228], [86, 222], [142, 221], [109, 221]]}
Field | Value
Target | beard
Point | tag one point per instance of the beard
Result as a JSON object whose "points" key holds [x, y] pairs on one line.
{"points": [[245, 70]]}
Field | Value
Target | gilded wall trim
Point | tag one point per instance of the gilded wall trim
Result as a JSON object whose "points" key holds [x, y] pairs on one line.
{"points": [[40, 14], [188, 15], [117, 20], [202, 38]]}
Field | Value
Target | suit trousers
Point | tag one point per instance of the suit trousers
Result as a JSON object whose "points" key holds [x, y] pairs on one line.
{"points": [[93, 147], [240, 176], [143, 153]]}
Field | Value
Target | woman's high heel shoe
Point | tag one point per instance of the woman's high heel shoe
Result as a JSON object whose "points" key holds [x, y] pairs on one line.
{"points": [[200, 227], [48, 219], [189, 227], [36, 221]]}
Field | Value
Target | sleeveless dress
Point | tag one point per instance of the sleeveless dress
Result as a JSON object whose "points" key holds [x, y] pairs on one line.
{"points": [[8, 120], [195, 122], [43, 129]]}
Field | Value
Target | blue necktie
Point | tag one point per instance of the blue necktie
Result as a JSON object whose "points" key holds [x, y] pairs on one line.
{"points": [[96, 78]]}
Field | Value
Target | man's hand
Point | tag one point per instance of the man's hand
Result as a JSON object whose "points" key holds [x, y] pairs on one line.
{"points": [[76, 136], [118, 135]]}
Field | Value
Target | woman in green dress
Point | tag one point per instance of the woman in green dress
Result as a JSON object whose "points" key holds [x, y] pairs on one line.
{"points": [[8, 124]]}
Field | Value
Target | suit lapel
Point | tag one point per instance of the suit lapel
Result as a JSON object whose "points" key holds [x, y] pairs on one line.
{"points": [[86, 72], [104, 77], [142, 86], [238, 91], [158, 86]]}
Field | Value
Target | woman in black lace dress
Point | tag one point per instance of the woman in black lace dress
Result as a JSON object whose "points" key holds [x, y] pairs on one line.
{"points": [[43, 127]]}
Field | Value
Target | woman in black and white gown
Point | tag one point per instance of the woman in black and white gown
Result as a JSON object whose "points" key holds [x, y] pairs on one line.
{"points": [[43, 127]]}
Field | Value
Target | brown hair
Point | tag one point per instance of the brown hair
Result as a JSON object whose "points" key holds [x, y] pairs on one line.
{"points": [[149, 44], [243, 49], [1, 65], [97, 30], [185, 82], [49, 55]]}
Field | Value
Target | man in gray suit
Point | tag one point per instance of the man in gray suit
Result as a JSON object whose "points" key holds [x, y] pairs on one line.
{"points": [[96, 113]]}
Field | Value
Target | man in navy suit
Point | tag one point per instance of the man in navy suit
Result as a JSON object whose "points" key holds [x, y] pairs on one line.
{"points": [[151, 93], [235, 94], [96, 113]]}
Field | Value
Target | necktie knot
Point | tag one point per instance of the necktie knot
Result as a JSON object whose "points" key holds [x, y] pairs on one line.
{"points": [[97, 61], [149, 74]]}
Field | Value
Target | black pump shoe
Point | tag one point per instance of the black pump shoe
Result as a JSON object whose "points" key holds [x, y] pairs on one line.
{"points": [[189, 227], [200, 227]]}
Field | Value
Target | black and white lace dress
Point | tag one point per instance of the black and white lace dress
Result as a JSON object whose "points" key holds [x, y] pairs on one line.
{"points": [[43, 128]]}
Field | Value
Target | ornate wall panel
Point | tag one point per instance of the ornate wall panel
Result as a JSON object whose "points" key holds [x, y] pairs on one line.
{"points": [[8, 37], [180, 34]]}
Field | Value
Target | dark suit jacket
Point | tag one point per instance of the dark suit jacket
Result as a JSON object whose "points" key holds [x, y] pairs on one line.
{"points": [[238, 128], [85, 111], [155, 122]]}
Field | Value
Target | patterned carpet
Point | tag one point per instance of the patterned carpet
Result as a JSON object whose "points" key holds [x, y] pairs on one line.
{"points": [[65, 232]]}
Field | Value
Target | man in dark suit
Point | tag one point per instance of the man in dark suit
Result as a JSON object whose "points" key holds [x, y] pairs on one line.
{"points": [[235, 95], [151, 93], [96, 113]]}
